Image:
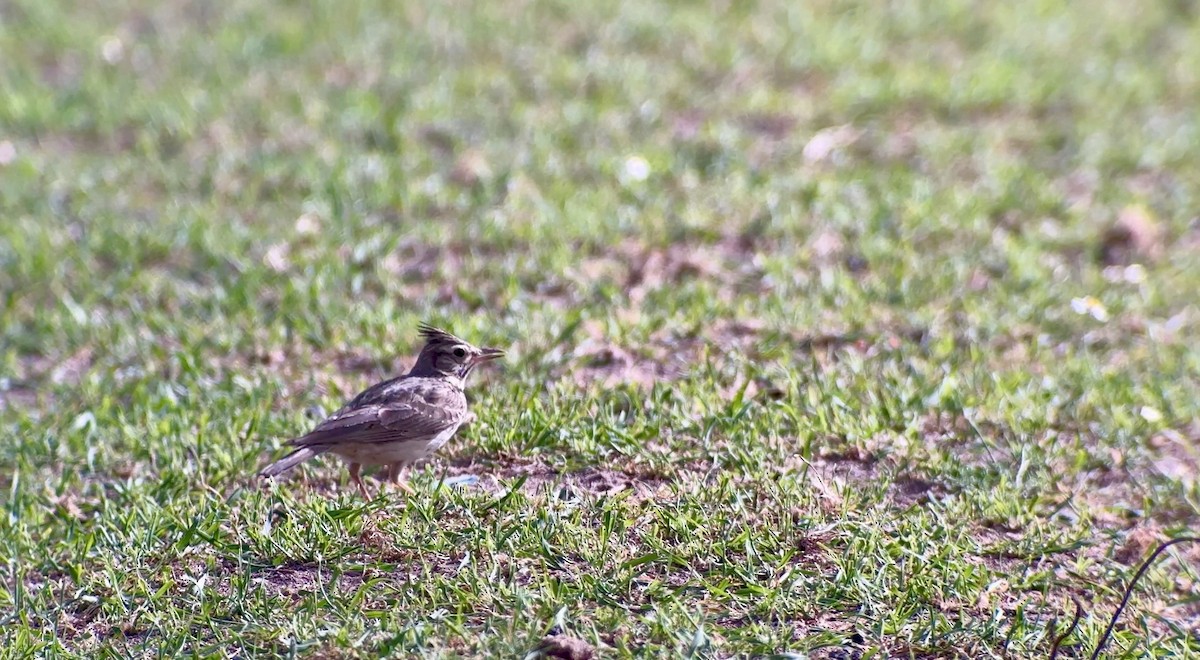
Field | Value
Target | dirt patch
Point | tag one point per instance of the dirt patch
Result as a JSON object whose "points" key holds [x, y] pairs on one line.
{"points": [[74, 614], [544, 480], [1138, 543], [909, 491], [1111, 487], [731, 264], [671, 354], [1175, 454], [775, 126], [832, 476], [1116, 489], [17, 396], [1007, 553], [297, 579], [71, 370], [564, 647], [496, 476], [598, 361], [35, 372], [1136, 236], [746, 334]]}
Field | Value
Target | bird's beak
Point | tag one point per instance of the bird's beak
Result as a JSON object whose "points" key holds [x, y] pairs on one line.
{"points": [[487, 355]]}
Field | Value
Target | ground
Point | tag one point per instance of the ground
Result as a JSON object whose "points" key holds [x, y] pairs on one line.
{"points": [[838, 329]]}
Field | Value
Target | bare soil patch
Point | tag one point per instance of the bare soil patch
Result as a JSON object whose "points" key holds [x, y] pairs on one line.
{"points": [[542, 479]]}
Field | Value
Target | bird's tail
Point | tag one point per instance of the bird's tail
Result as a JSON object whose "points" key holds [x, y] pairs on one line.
{"points": [[290, 461]]}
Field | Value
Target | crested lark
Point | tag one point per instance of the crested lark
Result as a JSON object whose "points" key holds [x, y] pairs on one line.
{"points": [[399, 421]]}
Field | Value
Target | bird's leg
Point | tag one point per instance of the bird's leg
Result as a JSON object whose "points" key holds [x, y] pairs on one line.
{"points": [[393, 476], [357, 479]]}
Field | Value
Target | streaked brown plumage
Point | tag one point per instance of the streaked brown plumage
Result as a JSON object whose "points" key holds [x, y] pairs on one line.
{"points": [[401, 420]]}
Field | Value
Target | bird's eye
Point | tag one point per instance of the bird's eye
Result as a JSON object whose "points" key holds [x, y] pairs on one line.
{"points": [[460, 352]]}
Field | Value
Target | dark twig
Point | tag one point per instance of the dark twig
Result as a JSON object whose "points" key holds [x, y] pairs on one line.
{"points": [[1129, 592], [1070, 629]]}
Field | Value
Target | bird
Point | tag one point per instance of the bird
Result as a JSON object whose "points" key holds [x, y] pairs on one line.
{"points": [[401, 420]]}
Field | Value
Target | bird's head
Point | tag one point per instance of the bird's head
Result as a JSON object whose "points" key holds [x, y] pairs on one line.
{"points": [[445, 355]]}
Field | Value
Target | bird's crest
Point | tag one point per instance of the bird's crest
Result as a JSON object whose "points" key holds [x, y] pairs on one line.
{"points": [[432, 334]]}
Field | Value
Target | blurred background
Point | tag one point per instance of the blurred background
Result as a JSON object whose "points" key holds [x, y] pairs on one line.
{"points": [[268, 168], [948, 245]]}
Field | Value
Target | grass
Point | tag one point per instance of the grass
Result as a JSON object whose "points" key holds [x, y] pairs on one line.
{"points": [[822, 340]]}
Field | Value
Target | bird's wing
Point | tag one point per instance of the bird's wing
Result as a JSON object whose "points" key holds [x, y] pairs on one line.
{"points": [[415, 413]]}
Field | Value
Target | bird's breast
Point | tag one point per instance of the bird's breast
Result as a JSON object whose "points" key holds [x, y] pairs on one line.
{"points": [[396, 451]]}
